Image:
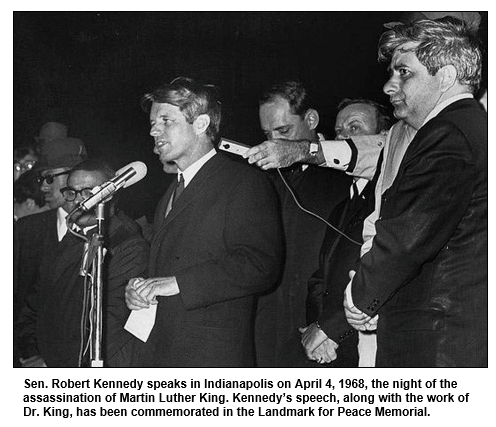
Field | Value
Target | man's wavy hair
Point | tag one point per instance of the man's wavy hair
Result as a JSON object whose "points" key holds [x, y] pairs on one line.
{"points": [[192, 98], [445, 41]]}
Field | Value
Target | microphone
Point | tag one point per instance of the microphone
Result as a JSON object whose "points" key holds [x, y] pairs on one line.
{"points": [[124, 177]]}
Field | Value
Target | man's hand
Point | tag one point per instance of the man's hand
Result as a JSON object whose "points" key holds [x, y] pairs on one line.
{"points": [[355, 317], [148, 289], [312, 339], [325, 352], [278, 153], [133, 300]]}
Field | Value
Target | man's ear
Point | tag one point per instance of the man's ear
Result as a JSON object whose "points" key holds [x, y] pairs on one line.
{"points": [[312, 118], [201, 123], [448, 76]]}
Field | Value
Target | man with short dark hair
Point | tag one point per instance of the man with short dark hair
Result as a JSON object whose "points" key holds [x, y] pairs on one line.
{"points": [[217, 240], [53, 327], [328, 336], [287, 113]]}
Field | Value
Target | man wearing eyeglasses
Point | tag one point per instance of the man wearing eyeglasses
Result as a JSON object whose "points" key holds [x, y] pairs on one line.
{"points": [[37, 233], [50, 323]]}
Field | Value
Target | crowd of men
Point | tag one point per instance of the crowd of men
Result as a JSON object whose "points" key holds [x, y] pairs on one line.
{"points": [[366, 249]]}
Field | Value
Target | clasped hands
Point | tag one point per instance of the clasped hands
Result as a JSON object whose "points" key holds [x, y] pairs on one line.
{"points": [[140, 292], [317, 345]]}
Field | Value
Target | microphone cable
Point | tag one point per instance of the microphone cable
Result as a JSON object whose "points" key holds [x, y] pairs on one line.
{"points": [[337, 230]]}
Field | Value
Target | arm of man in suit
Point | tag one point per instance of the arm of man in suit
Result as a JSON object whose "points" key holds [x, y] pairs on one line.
{"points": [[128, 259], [312, 336], [357, 156], [427, 201], [26, 328]]}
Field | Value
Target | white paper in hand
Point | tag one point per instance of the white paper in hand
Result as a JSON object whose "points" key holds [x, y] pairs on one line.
{"points": [[140, 322]]}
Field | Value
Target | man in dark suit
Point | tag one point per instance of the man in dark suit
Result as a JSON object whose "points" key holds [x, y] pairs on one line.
{"points": [[328, 328], [424, 280], [287, 113], [38, 234], [41, 232], [50, 323], [217, 239]]}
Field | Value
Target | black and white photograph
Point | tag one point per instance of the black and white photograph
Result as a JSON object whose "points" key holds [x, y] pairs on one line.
{"points": [[226, 189]]}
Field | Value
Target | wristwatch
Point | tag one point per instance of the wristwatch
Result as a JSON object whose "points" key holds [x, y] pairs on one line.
{"points": [[314, 148]]}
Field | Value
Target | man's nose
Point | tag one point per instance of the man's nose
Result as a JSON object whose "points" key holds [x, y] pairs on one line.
{"points": [[391, 86], [45, 186], [154, 130], [79, 198], [342, 136]]}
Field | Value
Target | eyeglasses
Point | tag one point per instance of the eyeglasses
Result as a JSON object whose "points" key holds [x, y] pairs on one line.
{"points": [[49, 178], [70, 194]]}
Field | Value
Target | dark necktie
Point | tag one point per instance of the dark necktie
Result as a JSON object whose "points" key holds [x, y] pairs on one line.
{"points": [[178, 190], [356, 193]]}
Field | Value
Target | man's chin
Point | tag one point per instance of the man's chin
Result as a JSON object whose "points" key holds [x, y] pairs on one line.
{"points": [[169, 167]]}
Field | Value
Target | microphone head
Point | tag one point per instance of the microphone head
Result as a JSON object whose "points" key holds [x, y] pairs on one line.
{"points": [[139, 169]]}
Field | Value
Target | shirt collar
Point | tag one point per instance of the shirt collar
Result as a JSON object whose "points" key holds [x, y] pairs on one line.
{"points": [[438, 108], [193, 169], [61, 223]]}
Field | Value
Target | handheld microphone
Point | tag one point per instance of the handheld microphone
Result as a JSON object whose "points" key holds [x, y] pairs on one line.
{"points": [[124, 177]]}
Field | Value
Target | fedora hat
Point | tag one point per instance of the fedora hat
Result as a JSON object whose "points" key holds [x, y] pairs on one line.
{"points": [[61, 153], [51, 130]]}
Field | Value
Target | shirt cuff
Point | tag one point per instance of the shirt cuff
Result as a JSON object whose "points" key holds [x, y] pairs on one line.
{"points": [[337, 154], [347, 291]]}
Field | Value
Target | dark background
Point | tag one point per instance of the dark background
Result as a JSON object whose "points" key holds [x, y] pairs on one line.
{"points": [[89, 70]]}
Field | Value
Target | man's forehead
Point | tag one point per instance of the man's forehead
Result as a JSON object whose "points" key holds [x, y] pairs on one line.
{"points": [[357, 111], [164, 108], [278, 112], [83, 178]]}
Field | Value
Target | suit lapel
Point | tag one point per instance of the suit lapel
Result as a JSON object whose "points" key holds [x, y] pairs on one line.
{"points": [[194, 189]]}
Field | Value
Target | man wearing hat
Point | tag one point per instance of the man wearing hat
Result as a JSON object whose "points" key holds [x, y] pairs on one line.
{"points": [[36, 234], [58, 157], [50, 131]]}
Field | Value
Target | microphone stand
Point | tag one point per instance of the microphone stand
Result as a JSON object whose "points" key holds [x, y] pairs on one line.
{"points": [[93, 256], [97, 288]]}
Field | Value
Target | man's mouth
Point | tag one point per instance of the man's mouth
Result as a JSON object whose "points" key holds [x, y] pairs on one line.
{"points": [[160, 143]]}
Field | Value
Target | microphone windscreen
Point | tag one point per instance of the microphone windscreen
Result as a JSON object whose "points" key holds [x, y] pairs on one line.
{"points": [[140, 170]]}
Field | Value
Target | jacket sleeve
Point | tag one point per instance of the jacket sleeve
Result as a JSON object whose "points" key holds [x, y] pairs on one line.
{"points": [[26, 326], [419, 213], [357, 156], [252, 257], [128, 260]]}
